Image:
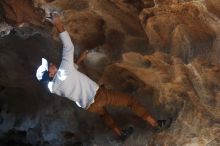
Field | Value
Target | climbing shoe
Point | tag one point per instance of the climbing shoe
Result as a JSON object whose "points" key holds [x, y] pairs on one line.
{"points": [[163, 124], [126, 133]]}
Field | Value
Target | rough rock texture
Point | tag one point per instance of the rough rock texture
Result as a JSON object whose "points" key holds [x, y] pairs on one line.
{"points": [[22, 11], [93, 24], [164, 52], [187, 92], [185, 34], [213, 6]]}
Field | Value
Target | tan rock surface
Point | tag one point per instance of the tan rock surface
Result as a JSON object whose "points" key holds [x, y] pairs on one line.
{"points": [[213, 6], [112, 26], [178, 29], [22, 11], [187, 92]]}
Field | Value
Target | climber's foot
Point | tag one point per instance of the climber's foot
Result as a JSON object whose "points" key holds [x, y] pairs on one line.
{"points": [[163, 124], [126, 133]]}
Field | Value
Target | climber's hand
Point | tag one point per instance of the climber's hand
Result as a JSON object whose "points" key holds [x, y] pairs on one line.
{"points": [[82, 57], [84, 54], [56, 21]]}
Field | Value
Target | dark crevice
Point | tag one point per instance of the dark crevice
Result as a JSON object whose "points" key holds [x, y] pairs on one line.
{"points": [[15, 138], [2, 88]]}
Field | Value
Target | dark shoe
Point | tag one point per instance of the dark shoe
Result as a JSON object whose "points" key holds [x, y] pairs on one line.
{"points": [[126, 133], [163, 124]]}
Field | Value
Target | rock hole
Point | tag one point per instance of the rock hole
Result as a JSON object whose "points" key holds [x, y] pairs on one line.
{"points": [[2, 88]]}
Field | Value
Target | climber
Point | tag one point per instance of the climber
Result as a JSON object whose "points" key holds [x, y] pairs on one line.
{"points": [[68, 82]]}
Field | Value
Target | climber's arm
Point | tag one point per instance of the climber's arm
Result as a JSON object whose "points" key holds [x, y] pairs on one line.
{"points": [[81, 57], [68, 47]]}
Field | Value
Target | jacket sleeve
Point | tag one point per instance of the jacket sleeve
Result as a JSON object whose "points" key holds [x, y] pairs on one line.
{"points": [[68, 51]]}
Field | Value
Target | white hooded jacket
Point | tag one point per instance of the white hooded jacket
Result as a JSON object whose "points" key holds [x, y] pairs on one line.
{"points": [[68, 81]]}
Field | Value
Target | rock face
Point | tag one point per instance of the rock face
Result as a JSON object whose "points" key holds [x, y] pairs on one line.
{"points": [[22, 11], [164, 52], [185, 34], [213, 6], [93, 25], [182, 91]]}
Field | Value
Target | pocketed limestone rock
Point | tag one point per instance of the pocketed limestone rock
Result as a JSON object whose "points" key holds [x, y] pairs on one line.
{"points": [[170, 88], [178, 29], [22, 11]]}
